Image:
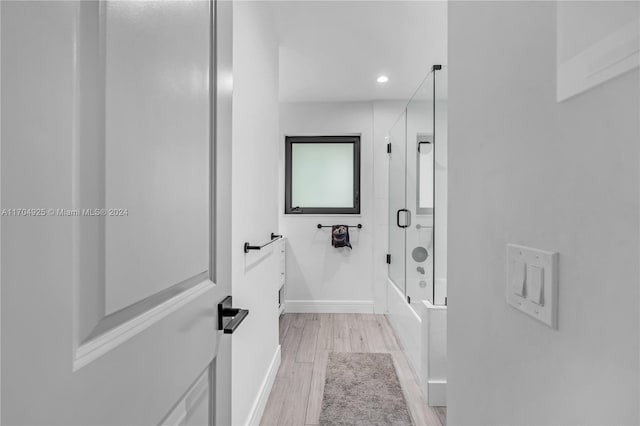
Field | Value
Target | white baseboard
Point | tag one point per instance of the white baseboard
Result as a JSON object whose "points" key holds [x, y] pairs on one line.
{"points": [[329, 306], [437, 393], [257, 410]]}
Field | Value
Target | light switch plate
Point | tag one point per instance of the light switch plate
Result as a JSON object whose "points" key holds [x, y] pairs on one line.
{"points": [[541, 277]]}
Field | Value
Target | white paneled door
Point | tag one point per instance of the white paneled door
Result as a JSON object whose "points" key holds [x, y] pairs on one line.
{"points": [[109, 277]]}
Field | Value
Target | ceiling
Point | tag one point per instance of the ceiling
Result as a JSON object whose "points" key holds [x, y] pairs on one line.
{"points": [[335, 50]]}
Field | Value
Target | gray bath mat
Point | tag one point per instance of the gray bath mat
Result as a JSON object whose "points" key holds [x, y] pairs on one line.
{"points": [[363, 389]]}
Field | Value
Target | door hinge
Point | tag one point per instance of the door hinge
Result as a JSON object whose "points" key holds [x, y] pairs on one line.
{"points": [[389, 148], [409, 299], [445, 301], [389, 259]]}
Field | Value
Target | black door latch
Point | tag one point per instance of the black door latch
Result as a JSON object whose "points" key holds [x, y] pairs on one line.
{"points": [[236, 315]]}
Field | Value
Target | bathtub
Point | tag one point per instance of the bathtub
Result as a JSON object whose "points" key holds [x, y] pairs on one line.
{"points": [[421, 329]]}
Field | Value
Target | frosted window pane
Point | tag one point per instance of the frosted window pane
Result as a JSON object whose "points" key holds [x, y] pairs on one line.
{"points": [[322, 175]]}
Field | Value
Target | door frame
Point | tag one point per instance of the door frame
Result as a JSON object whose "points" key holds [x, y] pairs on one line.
{"points": [[221, 125]]}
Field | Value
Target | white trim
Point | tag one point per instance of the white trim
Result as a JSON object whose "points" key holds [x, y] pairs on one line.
{"points": [[610, 57], [413, 332], [176, 417], [407, 326], [257, 410], [95, 348], [434, 354], [437, 393], [180, 412], [329, 306], [429, 305], [0, 234]]}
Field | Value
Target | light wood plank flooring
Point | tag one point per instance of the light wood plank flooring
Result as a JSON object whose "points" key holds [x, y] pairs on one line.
{"points": [[307, 339]]}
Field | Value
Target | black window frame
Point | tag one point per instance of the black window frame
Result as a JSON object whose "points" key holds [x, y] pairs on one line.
{"points": [[289, 141]]}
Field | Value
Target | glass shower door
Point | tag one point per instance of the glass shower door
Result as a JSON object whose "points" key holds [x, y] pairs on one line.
{"points": [[420, 193], [397, 202], [441, 87]]}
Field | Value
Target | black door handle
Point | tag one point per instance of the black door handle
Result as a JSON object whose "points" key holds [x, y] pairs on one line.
{"points": [[398, 218], [225, 311]]}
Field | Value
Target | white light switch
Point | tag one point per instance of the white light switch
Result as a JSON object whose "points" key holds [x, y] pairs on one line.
{"points": [[535, 283], [532, 283], [519, 279]]}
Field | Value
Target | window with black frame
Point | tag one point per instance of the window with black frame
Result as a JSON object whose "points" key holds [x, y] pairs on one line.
{"points": [[322, 175]]}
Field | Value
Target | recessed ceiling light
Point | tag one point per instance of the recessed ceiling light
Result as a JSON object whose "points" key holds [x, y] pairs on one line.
{"points": [[383, 79]]}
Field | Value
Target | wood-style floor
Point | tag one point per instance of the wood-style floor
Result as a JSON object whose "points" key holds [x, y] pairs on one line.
{"points": [[307, 339]]}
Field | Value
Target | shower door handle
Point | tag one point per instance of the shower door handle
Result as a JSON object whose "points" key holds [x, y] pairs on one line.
{"points": [[408, 218]]}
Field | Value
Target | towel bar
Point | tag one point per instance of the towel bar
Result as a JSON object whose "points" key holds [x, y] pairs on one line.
{"points": [[248, 246], [359, 226]]}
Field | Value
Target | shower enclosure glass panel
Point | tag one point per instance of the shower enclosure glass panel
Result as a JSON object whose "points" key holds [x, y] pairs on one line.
{"points": [[420, 189], [440, 187], [397, 201], [418, 193]]}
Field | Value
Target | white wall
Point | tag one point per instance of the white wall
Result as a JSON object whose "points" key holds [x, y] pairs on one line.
{"points": [[317, 272], [254, 196], [320, 277], [564, 177]]}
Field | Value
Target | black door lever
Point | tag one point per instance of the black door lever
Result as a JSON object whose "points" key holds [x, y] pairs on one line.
{"points": [[225, 311]]}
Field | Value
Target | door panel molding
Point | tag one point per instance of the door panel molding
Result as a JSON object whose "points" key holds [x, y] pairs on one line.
{"points": [[53, 309], [117, 328], [96, 330], [179, 415]]}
